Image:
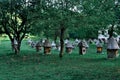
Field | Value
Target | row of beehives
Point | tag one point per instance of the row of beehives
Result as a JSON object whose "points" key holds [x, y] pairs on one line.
{"points": [[53, 45], [112, 46]]}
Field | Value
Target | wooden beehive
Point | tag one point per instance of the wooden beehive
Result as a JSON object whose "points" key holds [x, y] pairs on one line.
{"points": [[99, 48], [47, 47], [82, 48], [69, 47], [112, 48]]}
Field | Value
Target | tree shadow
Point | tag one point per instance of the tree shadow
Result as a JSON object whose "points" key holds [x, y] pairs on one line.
{"points": [[95, 59]]}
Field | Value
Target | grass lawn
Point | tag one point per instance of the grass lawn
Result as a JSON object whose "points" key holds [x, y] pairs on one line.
{"points": [[30, 65]]}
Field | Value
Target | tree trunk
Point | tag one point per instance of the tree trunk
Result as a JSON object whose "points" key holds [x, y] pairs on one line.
{"points": [[17, 50], [19, 45], [16, 47], [55, 39], [111, 31], [61, 42], [56, 35], [12, 45]]}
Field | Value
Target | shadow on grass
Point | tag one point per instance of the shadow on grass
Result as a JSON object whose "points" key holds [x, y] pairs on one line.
{"points": [[94, 59]]}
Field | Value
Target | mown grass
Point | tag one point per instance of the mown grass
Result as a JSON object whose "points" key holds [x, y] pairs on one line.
{"points": [[30, 65]]}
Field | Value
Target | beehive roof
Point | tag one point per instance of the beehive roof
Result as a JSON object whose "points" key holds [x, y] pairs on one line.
{"points": [[85, 44], [112, 44], [47, 43], [39, 44], [99, 45], [69, 45], [82, 44]]}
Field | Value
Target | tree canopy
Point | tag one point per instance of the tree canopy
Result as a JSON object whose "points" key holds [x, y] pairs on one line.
{"points": [[76, 18]]}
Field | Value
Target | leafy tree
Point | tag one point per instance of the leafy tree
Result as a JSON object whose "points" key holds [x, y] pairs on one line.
{"points": [[88, 16], [15, 19], [63, 18], [56, 16]]}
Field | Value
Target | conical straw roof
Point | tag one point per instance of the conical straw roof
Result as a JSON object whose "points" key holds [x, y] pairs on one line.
{"points": [[39, 44], [69, 45], [112, 44], [47, 43], [85, 44], [82, 44], [99, 44]]}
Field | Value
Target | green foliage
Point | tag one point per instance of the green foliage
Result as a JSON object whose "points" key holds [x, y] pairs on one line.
{"points": [[82, 33], [48, 16], [14, 18], [72, 14], [56, 14]]}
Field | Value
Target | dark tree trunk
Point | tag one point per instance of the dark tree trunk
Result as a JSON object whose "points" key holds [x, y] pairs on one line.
{"points": [[16, 52], [16, 48], [56, 35], [19, 45], [55, 38], [12, 44], [111, 31], [62, 42]]}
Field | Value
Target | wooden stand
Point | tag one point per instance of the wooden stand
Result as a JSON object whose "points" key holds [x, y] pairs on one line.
{"points": [[47, 50], [112, 53], [38, 48], [68, 49], [99, 49], [82, 50]]}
